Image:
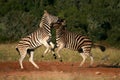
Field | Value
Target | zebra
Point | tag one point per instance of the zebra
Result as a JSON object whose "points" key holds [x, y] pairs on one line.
{"points": [[74, 41], [42, 36]]}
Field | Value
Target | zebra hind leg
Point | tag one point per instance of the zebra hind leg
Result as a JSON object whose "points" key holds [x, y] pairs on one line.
{"points": [[23, 54], [32, 61], [92, 60], [84, 58]]}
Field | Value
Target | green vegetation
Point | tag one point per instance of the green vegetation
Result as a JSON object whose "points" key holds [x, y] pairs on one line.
{"points": [[99, 19]]}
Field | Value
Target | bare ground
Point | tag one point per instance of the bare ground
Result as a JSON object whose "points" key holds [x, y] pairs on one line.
{"points": [[57, 68]]}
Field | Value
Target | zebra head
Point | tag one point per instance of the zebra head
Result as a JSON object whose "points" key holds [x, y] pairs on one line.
{"points": [[60, 24], [51, 19]]}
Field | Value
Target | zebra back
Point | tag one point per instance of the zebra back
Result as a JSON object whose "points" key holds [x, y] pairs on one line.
{"points": [[71, 40]]}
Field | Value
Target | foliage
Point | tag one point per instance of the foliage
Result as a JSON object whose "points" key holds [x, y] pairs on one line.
{"points": [[99, 19]]}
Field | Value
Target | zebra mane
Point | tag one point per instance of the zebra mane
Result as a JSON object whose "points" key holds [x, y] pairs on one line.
{"points": [[48, 18], [43, 18]]}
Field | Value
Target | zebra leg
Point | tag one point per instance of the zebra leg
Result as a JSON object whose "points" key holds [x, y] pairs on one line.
{"points": [[47, 48], [52, 45], [92, 60], [59, 48], [31, 60], [23, 54], [84, 58], [53, 50]]}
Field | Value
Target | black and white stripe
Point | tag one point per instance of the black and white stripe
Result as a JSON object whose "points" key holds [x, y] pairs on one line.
{"points": [[74, 41], [42, 36]]}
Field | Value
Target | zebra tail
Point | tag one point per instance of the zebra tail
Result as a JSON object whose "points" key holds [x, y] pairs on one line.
{"points": [[17, 50], [102, 48]]}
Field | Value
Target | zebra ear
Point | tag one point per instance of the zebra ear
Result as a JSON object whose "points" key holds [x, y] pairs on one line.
{"points": [[60, 20], [64, 22], [45, 11]]}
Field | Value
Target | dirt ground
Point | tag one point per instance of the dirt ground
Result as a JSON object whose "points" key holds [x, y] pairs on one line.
{"points": [[13, 68]]}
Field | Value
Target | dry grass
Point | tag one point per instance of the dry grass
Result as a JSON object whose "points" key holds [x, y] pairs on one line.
{"points": [[111, 56]]}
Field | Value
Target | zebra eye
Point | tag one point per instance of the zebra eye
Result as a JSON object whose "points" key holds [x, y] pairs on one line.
{"points": [[60, 20]]}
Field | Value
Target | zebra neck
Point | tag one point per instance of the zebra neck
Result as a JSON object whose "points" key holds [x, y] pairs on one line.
{"points": [[44, 25], [60, 33]]}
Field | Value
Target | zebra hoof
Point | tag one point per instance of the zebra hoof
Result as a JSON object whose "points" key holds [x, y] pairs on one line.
{"points": [[42, 56], [89, 66], [55, 57], [61, 60]]}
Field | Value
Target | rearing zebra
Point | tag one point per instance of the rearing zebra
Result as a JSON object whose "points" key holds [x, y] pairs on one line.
{"points": [[37, 38], [74, 41]]}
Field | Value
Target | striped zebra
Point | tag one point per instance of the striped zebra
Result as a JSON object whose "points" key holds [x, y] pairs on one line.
{"points": [[41, 36], [74, 41]]}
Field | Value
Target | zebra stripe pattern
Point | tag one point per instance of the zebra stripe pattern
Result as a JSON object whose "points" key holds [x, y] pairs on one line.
{"points": [[42, 36], [73, 41]]}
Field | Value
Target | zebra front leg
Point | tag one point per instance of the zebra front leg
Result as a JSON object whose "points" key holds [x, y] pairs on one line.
{"points": [[59, 48], [53, 50], [59, 57], [31, 60], [47, 48]]}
